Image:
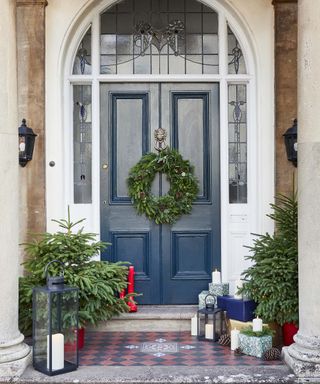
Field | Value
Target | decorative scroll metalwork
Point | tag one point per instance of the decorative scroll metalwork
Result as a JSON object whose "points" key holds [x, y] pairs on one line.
{"points": [[145, 35], [82, 55], [237, 144], [82, 64], [237, 54], [236, 62]]}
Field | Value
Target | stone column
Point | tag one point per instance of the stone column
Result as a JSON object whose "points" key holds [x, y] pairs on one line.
{"points": [[304, 355], [31, 106], [285, 26], [14, 354]]}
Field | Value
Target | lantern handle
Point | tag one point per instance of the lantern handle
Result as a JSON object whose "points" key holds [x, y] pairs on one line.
{"points": [[53, 261], [214, 298]]}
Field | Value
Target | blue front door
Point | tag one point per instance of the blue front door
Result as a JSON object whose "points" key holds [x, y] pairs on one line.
{"points": [[172, 263]]}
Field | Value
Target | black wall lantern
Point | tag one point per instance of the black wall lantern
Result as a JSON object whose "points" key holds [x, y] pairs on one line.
{"points": [[55, 326], [26, 143], [290, 139]]}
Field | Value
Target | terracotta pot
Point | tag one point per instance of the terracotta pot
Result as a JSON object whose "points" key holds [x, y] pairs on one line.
{"points": [[288, 331], [69, 347]]}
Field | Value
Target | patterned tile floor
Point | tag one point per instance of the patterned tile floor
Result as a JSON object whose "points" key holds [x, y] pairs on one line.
{"points": [[158, 348]]}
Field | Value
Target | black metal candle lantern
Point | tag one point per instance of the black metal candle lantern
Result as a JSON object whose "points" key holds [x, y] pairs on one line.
{"points": [[210, 320], [26, 143], [55, 326]]}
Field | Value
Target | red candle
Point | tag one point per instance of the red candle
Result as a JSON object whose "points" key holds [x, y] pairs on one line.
{"points": [[131, 303]]}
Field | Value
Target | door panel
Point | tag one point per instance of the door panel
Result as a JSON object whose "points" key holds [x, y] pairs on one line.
{"points": [[126, 124], [173, 263], [191, 247]]}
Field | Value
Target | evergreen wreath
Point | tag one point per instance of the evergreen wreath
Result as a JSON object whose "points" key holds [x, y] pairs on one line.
{"points": [[183, 186]]}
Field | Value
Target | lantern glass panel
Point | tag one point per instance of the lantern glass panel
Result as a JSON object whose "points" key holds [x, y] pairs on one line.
{"points": [[55, 330], [29, 146]]}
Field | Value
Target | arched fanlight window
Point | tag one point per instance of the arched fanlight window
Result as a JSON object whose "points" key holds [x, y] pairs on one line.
{"points": [[160, 37]]}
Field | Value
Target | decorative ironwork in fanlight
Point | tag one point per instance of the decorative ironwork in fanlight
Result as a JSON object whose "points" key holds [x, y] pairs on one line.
{"points": [[145, 35], [236, 54]]}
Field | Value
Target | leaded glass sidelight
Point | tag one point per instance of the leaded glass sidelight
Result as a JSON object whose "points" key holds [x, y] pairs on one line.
{"points": [[236, 63], [237, 121], [82, 61], [159, 37], [82, 144]]}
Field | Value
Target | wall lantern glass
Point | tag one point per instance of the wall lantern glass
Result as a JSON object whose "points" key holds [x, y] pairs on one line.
{"points": [[290, 139], [55, 325], [210, 320], [26, 143]]}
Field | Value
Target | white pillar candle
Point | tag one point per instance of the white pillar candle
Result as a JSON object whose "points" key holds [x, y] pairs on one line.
{"points": [[194, 329], [257, 324], [234, 339], [209, 331], [238, 285], [216, 277], [57, 351]]}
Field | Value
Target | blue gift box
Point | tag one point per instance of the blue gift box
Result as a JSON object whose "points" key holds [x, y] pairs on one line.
{"points": [[241, 310]]}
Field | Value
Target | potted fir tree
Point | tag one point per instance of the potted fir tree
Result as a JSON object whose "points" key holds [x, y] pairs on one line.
{"points": [[272, 280], [99, 282]]}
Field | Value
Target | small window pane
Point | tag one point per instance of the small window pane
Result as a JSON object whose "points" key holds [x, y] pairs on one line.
{"points": [[124, 44], [82, 144], [108, 64], [210, 23], [236, 61], [193, 23], [82, 61], [210, 44], [211, 64], [237, 101], [108, 44], [194, 64], [194, 44]]}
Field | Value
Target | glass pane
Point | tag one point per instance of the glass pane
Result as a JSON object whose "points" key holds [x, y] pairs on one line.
{"points": [[237, 101], [140, 28], [194, 64], [236, 61], [82, 61], [124, 44], [210, 64], [210, 44], [82, 144], [194, 44], [108, 44]]}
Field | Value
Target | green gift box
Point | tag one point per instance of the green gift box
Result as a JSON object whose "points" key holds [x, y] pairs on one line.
{"points": [[221, 289], [253, 345]]}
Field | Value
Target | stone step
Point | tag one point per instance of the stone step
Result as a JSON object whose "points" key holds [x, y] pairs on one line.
{"points": [[149, 318]]}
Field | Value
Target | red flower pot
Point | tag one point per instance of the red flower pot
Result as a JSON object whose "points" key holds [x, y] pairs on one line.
{"points": [[288, 331], [69, 347]]}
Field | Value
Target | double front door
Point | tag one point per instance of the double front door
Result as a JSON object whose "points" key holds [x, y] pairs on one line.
{"points": [[172, 263]]}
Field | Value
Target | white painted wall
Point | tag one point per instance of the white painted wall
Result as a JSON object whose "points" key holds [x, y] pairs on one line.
{"points": [[252, 22]]}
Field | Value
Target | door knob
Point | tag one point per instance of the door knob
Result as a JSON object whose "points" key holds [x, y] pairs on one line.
{"points": [[105, 166]]}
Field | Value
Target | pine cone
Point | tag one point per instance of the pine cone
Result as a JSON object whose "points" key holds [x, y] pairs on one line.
{"points": [[224, 340], [272, 354], [238, 351]]}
